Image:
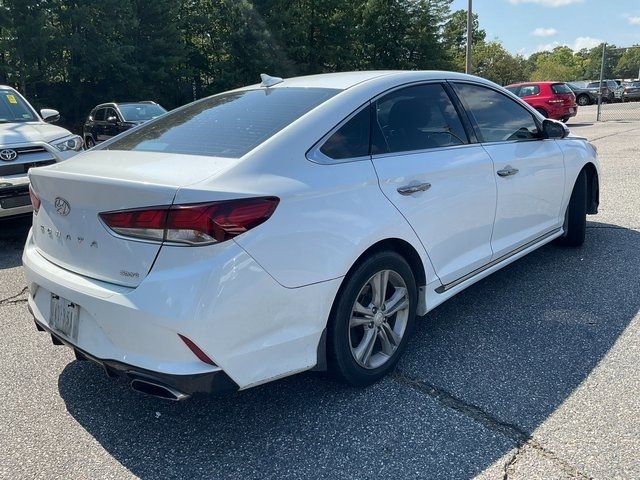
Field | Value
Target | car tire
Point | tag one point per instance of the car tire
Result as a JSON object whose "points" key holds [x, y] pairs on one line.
{"points": [[583, 100], [89, 142], [363, 342], [575, 223], [543, 112], [564, 119]]}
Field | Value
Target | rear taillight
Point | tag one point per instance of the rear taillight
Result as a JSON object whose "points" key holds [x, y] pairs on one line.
{"points": [[35, 200], [193, 224]]}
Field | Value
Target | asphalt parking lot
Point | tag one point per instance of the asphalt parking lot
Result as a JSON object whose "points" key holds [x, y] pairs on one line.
{"points": [[533, 372]]}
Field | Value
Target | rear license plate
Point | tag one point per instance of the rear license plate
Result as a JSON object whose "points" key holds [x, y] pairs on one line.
{"points": [[571, 110], [13, 202], [64, 317]]}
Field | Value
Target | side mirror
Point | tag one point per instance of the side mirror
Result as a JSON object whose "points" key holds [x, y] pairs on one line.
{"points": [[554, 129], [113, 120], [49, 115]]}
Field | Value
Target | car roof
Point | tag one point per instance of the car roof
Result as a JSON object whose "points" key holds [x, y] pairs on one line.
{"points": [[533, 83], [345, 80], [112, 104]]}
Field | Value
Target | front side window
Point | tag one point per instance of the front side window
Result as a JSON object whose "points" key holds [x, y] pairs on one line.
{"points": [[416, 118], [99, 115], [352, 139], [498, 117], [14, 109], [226, 125], [111, 112]]}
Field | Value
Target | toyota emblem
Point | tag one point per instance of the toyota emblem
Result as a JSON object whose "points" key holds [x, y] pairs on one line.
{"points": [[8, 154], [62, 206]]}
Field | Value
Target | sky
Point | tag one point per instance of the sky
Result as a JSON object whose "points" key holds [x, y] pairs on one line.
{"points": [[528, 26]]}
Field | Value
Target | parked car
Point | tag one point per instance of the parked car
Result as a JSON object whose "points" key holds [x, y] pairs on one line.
{"points": [[27, 140], [551, 99], [295, 224], [584, 96], [608, 88], [631, 91], [110, 119]]}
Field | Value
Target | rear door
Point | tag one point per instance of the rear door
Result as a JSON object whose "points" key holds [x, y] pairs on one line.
{"points": [[442, 184], [529, 170]]}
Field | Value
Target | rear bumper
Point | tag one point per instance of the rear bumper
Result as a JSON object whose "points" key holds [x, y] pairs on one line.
{"points": [[251, 327], [563, 112], [211, 382]]}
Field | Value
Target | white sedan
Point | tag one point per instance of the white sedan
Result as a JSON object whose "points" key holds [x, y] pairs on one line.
{"points": [[293, 225]]}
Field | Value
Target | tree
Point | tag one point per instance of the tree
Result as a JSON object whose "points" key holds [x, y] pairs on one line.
{"points": [[495, 63], [629, 63], [558, 65], [454, 37]]}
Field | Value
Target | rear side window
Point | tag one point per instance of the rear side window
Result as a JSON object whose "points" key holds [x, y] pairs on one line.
{"points": [[560, 88], [352, 139], [416, 118], [226, 125], [528, 90], [499, 118], [513, 90]]}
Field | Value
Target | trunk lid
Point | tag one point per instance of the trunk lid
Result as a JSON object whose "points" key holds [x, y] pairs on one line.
{"points": [[67, 230]]}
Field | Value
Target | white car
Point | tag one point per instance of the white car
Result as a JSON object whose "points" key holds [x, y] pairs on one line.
{"points": [[295, 225], [27, 141]]}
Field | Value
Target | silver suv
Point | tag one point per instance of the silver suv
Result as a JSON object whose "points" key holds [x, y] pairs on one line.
{"points": [[27, 140]]}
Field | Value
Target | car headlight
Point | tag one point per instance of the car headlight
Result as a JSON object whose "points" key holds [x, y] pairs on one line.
{"points": [[74, 143]]}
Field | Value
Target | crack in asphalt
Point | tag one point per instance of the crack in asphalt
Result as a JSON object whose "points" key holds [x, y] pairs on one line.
{"points": [[15, 299], [613, 134], [522, 439]]}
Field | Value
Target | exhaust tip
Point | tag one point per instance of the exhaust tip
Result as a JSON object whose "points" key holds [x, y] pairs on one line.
{"points": [[157, 390]]}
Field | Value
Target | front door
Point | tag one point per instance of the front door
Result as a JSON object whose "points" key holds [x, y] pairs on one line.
{"points": [[443, 185], [529, 170]]}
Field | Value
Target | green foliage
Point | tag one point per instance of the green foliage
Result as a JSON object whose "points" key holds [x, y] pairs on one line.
{"points": [[629, 63], [559, 64], [73, 54], [454, 35], [493, 62]]}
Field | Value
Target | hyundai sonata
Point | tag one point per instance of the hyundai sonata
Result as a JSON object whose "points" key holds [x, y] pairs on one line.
{"points": [[293, 225]]}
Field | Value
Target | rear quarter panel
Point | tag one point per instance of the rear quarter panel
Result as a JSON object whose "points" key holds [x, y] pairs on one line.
{"points": [[328, 214], [577, 153]]}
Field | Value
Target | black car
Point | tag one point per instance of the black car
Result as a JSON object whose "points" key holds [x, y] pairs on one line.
{"points": [[584, 95], [109, 119], [587, 92]]}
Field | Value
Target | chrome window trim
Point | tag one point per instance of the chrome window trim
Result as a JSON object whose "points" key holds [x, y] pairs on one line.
{"points": [[424, 150]]}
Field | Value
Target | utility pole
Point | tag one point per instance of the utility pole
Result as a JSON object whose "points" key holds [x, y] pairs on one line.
{"points": [[468, 69], [604, 46]]}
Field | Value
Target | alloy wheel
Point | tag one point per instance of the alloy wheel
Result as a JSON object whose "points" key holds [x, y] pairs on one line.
{"points": [[379, 319]]}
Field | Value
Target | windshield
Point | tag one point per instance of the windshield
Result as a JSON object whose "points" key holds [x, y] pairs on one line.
{"points": [[136, 112], [226, 125], [14, 109]]}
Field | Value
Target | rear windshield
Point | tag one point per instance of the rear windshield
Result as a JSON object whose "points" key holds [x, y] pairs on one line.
{"points": [[560, 88], [14, 109], [226, 125], [135, 112]]}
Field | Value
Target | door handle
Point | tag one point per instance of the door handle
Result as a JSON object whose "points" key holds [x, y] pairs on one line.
{"points": [[507, 171], [409, 189]]}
